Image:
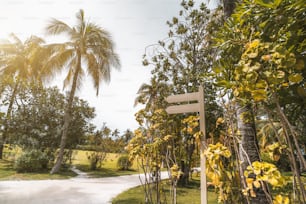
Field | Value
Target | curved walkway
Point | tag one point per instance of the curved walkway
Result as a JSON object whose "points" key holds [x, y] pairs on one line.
{"points": [[79, 190]]}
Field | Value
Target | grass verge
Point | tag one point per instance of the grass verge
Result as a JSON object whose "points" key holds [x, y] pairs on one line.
{"points": [[7, 172], [80, 160], [189, 194]]}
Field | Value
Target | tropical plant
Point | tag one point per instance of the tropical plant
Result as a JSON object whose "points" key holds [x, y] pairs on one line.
{"points": [[100, 143], [21, 62], [32, 161], [38, 115], [261, 66], [89, 46], [124, 163], [178, 63]]}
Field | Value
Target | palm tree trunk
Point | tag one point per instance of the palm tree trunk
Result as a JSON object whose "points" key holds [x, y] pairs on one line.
{"points": [[248, 147], [67, 119], [7, 118]]}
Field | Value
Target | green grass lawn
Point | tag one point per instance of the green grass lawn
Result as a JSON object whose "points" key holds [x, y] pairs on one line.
{"points": [[189, 194], [110, 162], [109, 167], [7, 172], [80, 158]]}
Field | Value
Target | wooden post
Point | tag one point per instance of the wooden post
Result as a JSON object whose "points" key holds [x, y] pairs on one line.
{"points": [[202, 148], [193, 107]]}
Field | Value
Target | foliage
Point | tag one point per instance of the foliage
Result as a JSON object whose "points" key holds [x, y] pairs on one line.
{"points": [[108, 169], [124, 163], [261, 63], [88, 46], [265, 173], [32, 161], [256, 58], [218, 170], [20, 63], [275, 150], [187, 194], [147, 152], [178, 63], [7, 171], [96, 159], [37, 116], [100, 147]]}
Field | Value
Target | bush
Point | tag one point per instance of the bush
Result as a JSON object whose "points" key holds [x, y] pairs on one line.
{"points": [[96, 159], [124, 163], [32, 161]]}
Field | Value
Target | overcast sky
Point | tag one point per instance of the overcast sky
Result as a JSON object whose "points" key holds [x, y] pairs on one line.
{"points": [[133, 24]]}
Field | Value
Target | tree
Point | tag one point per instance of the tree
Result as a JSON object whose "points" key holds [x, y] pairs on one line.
{"points": [[183, 62], [127, 136], [37, 116], [21, 62], [89, 45], [178, 63], [261, 63]]}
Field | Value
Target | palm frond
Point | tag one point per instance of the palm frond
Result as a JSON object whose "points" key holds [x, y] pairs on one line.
{"points": [[100, 55], [34, 40], [58, 60], [56, 27], [81, 25], [7, 48], [94, 44], [93, 70], [143, 93], [16, 40]]}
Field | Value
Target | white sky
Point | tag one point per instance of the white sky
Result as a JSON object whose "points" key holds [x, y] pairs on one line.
{"points": [[133, 24]]}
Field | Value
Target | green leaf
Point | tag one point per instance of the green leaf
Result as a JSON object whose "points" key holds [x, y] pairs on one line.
{"points": [[218, 70], [253, 54], [259, 95], [280, 74], [224, 83], [255, 67], [256, 184], [262, 3], [251, 77], [236, 92], [295, 78], [261, 84]]}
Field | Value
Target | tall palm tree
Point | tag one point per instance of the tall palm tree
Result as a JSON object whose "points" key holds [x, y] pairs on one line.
{"points": [[89, 47], [21, 61]]}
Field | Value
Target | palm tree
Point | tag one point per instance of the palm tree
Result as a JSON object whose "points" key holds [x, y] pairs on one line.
{"points": [[89, 46], [148, 94], [248, 147], [21, 62]]}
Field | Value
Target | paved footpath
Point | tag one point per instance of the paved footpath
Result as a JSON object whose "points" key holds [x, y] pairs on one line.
{"points": [[79, 190]]}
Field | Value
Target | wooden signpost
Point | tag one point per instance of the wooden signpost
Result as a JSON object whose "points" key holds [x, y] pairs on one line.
{"points": [[188, 108]]}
